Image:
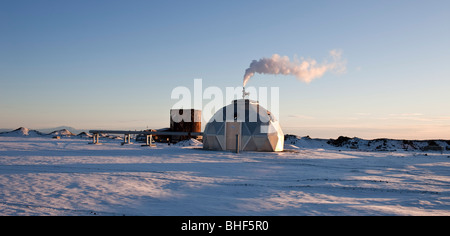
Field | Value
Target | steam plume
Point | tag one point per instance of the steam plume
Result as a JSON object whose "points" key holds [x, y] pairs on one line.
{"points": [[305, 70]]}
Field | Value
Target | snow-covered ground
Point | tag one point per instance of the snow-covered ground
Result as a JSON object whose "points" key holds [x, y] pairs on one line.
{"points": [[68, 176]]}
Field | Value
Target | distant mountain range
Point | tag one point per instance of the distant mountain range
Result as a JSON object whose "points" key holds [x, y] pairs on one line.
{"points": [[22, 131], [71, 129], [381, 144], [50, 130]]}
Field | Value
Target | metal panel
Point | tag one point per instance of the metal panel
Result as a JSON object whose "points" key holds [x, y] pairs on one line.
{"points": [[232, 129]]}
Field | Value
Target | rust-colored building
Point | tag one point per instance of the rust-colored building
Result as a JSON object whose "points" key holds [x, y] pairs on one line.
{"points": [[185, 120]]}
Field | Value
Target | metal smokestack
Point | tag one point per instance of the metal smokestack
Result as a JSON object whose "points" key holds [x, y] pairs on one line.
{"points": [[244, 93]]}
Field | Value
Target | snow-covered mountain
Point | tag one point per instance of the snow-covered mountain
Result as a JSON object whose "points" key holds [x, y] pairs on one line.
{"points": [[62, 132], [22, 131], [382, 144], [69, 128], [84, 135], [26, 132]]}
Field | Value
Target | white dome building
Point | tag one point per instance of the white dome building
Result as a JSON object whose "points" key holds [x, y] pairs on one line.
{"points": [[246, 124]]}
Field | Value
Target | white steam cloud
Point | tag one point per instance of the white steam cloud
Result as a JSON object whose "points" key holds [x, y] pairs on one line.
{"points": [[305, 70]]}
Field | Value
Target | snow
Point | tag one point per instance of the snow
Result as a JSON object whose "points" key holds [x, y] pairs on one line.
{"points": [[22, 132], [44, 176], [382, 144], [62, 132]]}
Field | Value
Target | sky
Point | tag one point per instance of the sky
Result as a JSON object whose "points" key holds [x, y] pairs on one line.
{"points": [[114, 64]]}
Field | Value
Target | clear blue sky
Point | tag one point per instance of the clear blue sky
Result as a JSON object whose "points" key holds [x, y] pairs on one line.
{"points": [[113, 64]]}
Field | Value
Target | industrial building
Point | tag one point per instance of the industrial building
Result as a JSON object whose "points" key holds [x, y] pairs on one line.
{"points": [[247, 127], [185, 120], [243, 125]]}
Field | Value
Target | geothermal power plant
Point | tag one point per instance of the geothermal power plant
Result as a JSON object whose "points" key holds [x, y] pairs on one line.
{"points": [[243, 125]]}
